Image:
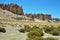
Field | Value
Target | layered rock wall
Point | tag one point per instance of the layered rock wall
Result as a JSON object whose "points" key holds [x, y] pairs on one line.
{"points": [[13, 8], [40, 16]]}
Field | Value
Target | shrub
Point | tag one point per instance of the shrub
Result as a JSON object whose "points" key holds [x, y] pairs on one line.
{"points": [[35, 27], [22, 30], [35, 33], [58, 28], [27, 28], [49, 38], [48, 29], [2, 30], [36, 38], [41, 38], [54, 32], [29, 39]]}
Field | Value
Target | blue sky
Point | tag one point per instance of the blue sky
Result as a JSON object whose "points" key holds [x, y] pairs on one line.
{"points": [[38, 6]]}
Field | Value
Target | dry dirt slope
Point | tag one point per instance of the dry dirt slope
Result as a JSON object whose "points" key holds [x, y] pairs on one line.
{"points": [[8, 14]]}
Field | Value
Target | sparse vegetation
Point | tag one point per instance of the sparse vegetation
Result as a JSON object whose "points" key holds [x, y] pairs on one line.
{"points": [[48, 29], [36, 38], [36, 33], [41, 38], [26, 28], [50, 38]]}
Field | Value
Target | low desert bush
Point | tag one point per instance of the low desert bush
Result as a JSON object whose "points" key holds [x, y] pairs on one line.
{"points": [[41, 38], [2, 29], [47, 29], [25, 29], [22, 30], [36, 38], [58, 28], [50, 38], [35, 33], [54, 32]]}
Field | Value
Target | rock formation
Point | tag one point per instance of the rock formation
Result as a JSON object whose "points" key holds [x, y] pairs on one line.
{"points": [[13, 8], [40, 16]]}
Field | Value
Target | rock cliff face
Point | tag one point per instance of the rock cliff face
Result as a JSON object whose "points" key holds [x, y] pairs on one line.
{"points": [[13, 8], [40, 16]]}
